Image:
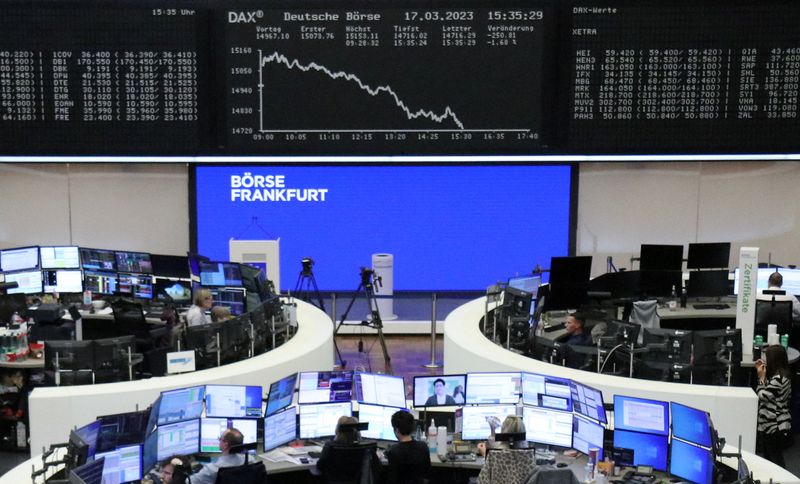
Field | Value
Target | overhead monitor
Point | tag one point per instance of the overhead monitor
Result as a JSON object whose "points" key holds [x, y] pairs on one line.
{"points": [[377, 389], [648, 449], [280, 428], [233, 401], [176, 266], [212, 428], [139, 286], [654, 257], [712, 283], [89, 433], [220, 274], [179, 438], [473, 420], [103, 283], [21, 259], [586, 435], [135, 262], [588, 401], [325, 386], [379, 418], [123, 464], [233, 299], [494, 388], [529, 284], [641, 415], [28, 282], [714, 255], [546, 391], [545, 426], [181, 404], [63, 257], [98, 260], [691, 463], [62, 281], [281, 394], [177, 292], [433, 391], [320, 419], [691, 425]]}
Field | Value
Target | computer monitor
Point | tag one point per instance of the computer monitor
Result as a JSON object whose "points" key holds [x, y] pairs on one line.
{"points": [[545, 426], [708, 283], [473, 420], [181, 404], [177, 292], [429, 391], [690, 463], [622, 331], [179, 438], [62, 281], [123, 464], [150, 451], [379, 418], [220, 274], [77, 450], [529, 284], [89, 473], [211, 429], [63, 257], [233, 401], [667, 345], [232, 299], [121, 429], [280, 428], [98, 260], [546, 391], [111, 358], [386, 390], [170, 266], [660, 283], [281, 394], [104, 283], [90, 433], [69, 355], [136, 262], [714, 255], [691, 425], [588, 401], [493, 388], [139, 286], [516, 302], [641, 415], [657, 257], [586, 435], [791, 279], [28, 282], [713, 343], [20, 259], [320, 419], [325, 386], [648, 449], [152, 420], [569, 282]]}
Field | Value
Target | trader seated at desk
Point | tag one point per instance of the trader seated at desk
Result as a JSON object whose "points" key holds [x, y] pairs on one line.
{"points": [[775, 283], [576, 334], [409, 460], [208, 475], [196, 316]]}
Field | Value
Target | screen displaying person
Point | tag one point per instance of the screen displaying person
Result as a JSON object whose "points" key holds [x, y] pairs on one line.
{"points": [[440, 396]]}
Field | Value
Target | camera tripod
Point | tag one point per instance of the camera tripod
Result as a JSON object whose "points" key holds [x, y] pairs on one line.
{"points": [[306, 283], [368, 281]]}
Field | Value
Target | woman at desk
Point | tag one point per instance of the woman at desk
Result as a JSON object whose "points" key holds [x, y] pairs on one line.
{"points": [[774, 391], [196, 315], [343, 436], [508, 467]]}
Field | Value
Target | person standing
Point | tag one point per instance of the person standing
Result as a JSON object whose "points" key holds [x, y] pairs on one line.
{"points": [[774, 391]]}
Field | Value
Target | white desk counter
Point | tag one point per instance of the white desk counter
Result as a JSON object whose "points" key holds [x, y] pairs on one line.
{"points": [[54, 411]]}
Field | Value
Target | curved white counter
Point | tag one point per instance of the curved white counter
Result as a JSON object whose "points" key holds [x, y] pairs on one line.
{"points": [[54, 411]]}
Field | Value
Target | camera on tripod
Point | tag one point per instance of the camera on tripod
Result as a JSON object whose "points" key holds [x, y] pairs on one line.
{"points": [[308, 263], [367, 274]]}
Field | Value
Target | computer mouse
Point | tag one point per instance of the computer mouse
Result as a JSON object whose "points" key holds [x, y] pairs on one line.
{"points": [[561, 464], [304, 460]]}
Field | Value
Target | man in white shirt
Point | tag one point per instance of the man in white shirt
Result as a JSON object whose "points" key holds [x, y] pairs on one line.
{"points": [[228, 439], [774, 283]]}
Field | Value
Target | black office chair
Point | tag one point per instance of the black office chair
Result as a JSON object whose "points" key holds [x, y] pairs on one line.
{"points": [[247, 473], [773, 312], [351, 464]]}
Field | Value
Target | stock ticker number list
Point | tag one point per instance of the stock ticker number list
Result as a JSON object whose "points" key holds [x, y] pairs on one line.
{"points": [[389, 80], [99, 79]]}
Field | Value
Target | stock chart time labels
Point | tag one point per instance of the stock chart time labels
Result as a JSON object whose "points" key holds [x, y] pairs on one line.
{"points": [[386, 80]]}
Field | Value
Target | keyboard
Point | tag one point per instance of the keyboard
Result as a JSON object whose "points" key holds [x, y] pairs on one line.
{"points": [[711, 306]]}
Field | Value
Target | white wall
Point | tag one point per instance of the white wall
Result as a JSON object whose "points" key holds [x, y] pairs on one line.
{"points": [[126, 206]]}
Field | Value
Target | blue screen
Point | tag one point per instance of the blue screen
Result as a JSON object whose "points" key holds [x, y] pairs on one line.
{"points": [[281, 393], [691, 463], [641, 415], [648, 449], [690, 424], [448, 227]]}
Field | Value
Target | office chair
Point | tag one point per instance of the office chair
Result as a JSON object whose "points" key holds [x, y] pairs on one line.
{"points": [[770, 311], [252, 473], [351, 464], [508, 466]]}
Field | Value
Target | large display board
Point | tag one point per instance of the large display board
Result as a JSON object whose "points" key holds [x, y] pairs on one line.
{"points": [[449, 227], [411, 77]]}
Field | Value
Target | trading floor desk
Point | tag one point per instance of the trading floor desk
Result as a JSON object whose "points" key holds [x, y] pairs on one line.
{"points": [[56, 410], [693, 318]]}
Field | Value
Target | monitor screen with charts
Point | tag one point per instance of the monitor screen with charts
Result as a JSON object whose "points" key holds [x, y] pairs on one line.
{"points": [[641, 415], [473, 420], [21, 259], [220, 274], [325, 386], [281, 394], [234, 401], [491, 388], [136, 262], [138, 286], [181, 404], [28, 282], [439, 390], [62, 281], [319, 420], [67, 257], [384, 390], [98, 260], [648, 449], [103, 283], [211, 430], [587, 435], [545, 426], [280, 428], [380, 421], [588, 401], [546, 391], [123, 464], [179, 438]]}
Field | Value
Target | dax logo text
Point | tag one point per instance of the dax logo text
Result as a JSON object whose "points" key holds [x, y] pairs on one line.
{"points": [[243, 17]]}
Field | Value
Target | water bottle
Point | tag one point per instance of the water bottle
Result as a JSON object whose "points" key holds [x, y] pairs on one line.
{"points": [[588, 472], [432, 433], [673, 300], [684, 297], [785, 341]]}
